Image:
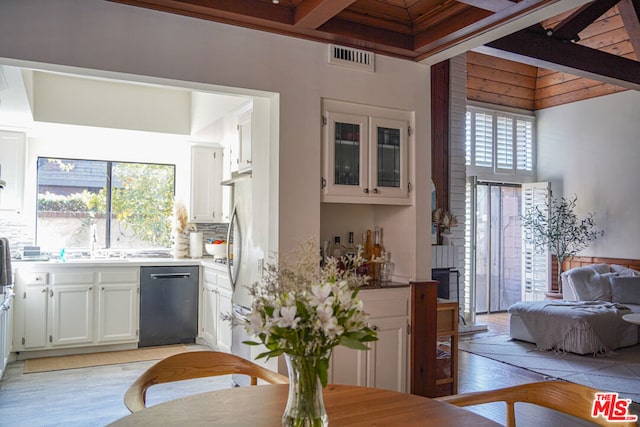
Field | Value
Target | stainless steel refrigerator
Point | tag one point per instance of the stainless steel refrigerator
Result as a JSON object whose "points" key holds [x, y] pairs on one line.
{"points": [[243, 268]]}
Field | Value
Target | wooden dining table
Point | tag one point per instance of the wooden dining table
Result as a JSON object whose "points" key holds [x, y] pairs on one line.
{"points": [[263, 405]]}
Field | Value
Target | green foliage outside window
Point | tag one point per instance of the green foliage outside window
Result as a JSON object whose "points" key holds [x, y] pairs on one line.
{"points": [[141, 203]]}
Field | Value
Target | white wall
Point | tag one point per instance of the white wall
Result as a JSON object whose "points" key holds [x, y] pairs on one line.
{"points": [[111, 39], [591, 149]]}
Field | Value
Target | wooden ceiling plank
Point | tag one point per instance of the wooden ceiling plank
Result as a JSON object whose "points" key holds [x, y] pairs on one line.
{"points": [[444, 28], [427, 48], [567, 98], [490, 5], [533, 47], [364, 36], [373, 21], [630, 12], [254, 12], [474, 58], [569, 28], [313, 13]]}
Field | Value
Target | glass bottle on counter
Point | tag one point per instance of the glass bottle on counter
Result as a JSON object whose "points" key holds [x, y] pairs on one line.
{"points": [[352, 249], [368, 246], [338, 251], [376, 257], [387, 269], [363, 269]]}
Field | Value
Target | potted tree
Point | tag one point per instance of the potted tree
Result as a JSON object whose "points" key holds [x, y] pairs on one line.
{"points": [[558, 229]]}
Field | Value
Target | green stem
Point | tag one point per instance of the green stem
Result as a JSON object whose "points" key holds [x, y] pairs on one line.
{"points": [[304, 406]]}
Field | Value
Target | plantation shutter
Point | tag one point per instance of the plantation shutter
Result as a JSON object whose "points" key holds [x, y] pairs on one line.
{"points": [[536, 277], [524, 145], [504, 143], [483, 139]]}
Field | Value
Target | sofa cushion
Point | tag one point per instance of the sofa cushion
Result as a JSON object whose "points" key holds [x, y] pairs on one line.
{"points": [[576, 277], [590, 283], [625, 290], [624, 271]]}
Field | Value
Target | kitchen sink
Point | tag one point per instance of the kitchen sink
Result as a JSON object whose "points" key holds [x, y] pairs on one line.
{"points": [[93, 260]]}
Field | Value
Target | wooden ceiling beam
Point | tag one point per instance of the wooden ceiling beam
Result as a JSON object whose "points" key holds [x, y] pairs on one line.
{"points": [[252, 12], [630, 13], [490, 5], [426, 46], [313, 13], [584, 16], [364, 36], [532, 46]]}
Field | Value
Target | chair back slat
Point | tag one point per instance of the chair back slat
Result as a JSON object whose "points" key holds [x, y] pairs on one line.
{"points": [[195, 364], [573, 399]]}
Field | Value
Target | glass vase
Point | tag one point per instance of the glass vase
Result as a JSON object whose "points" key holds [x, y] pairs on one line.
{"points": [[305, 407]]}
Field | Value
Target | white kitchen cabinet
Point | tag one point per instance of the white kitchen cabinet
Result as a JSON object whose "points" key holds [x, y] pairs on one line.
{"points": [[206, 191], [118, 307], [240, 150], [216, 301], [244, 158], [69, 306], [385, 364], [365, 154], [12, 154], [387, 357], [71, 314], [209, 304], [224, 307], [34, 301], [6, 315]]}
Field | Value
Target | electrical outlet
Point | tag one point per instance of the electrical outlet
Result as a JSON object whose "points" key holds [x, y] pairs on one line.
{"points": [[260, 267]]}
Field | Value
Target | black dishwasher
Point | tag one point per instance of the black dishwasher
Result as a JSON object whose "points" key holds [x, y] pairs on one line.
{"points": [[168, 305]]}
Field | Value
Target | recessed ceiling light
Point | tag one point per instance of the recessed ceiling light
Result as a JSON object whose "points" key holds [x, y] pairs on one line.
{"points": [[275, 1]]}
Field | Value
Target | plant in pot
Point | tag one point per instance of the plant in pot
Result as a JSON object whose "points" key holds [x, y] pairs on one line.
{"points": [[558, 229]]}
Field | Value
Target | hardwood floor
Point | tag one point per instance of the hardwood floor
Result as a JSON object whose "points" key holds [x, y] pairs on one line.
{"points": [[93, 396], [477, 373]]}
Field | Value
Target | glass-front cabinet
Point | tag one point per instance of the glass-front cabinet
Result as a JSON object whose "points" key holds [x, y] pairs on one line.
{"points": [[365, 154]]}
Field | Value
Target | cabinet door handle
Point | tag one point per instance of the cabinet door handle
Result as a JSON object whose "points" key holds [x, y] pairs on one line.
{"points": [[374, 327], [366, 191], [375, 190]]}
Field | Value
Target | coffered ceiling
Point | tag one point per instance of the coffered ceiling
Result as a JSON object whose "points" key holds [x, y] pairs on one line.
{"points": [[411, 29], [419, 29]]}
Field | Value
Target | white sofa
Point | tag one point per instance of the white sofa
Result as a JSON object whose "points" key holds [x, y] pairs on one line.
{"points": [[597, 282]]}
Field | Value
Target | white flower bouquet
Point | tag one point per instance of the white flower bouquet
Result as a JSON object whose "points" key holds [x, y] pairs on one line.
{"points": [[304, 310]]}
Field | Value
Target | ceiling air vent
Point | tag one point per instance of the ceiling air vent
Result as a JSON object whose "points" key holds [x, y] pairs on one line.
{"points": [[352, 58]]}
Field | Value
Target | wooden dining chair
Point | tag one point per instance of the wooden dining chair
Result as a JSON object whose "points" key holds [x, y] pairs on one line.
{"points": [[568, 398], [195, 364]]}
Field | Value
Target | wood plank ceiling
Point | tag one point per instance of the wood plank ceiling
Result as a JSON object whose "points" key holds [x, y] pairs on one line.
{"points": [[583, 53]]}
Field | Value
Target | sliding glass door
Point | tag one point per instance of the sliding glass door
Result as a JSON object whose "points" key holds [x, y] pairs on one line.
{"points": [[498, 241]]}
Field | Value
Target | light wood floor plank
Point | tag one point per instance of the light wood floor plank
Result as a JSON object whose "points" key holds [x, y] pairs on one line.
{"points": [[93, 396]]}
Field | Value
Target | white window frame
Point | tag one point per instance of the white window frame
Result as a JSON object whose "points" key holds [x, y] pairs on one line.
{"points": [[494, 170]]}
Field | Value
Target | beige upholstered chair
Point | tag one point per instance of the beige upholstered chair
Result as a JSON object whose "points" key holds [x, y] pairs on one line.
{"points": [[572, 399], [195, 364]]}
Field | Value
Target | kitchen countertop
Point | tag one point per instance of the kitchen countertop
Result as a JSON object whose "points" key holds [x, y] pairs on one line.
{"points": [[153, 262], [121, 262]]}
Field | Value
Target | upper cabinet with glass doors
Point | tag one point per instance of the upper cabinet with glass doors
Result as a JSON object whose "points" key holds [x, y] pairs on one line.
{"points": [[365, 154]]}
